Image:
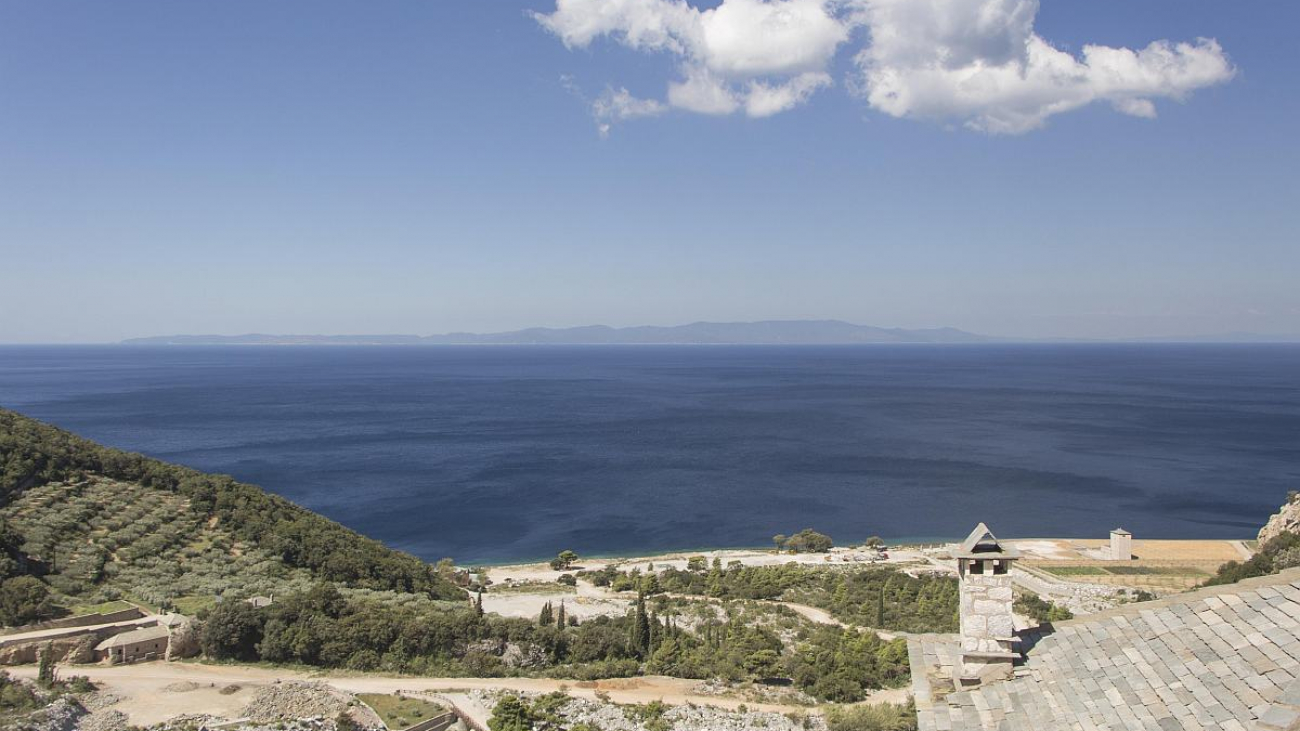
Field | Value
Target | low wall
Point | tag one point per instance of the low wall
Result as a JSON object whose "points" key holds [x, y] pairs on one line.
{"points": [[437, 723], [81, 620]]}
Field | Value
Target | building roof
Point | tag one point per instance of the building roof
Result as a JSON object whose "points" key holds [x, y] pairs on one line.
{"points": [[981, 543], [144, 634], [1226, 658], [172, 619], [1121, 532]]}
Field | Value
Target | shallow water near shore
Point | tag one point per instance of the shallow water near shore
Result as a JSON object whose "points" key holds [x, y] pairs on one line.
{"points": [[509, 453]]}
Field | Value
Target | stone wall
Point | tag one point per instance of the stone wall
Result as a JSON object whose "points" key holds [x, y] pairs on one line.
{"points": [[985, 612]]}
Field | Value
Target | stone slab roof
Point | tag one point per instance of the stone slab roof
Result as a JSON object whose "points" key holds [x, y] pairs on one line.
{"points": [[981, 543], [143, 634], [1225, 658]]}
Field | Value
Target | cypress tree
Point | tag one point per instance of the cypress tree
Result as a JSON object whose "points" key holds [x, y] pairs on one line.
{"points": [[560, 619], [641, 636], [547, 617], [478, 605], [880, 609], [45, 671]]}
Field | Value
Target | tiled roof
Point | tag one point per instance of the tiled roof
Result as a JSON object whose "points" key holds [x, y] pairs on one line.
{"points": [[1225, 658]]}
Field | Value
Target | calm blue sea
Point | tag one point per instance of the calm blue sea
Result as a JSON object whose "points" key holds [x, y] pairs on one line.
{"points": [[500, 453]]}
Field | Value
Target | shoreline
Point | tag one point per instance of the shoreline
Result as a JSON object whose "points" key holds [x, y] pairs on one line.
{"points": [[911, 542]]}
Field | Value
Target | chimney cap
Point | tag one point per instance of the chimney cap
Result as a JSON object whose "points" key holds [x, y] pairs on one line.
{"points": [[981, 543]]}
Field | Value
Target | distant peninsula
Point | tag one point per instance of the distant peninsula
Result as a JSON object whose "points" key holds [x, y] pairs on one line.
{"points": [[770, 332]]}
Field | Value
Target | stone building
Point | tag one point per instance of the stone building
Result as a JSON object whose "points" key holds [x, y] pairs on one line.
{"points": [[988, 635], [147, 643], [1121, 545]]}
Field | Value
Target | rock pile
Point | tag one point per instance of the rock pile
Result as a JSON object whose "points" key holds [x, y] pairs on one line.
{"points": [[61, 715], [108, 719], [295, 699], [614, 717], [189, 723]]}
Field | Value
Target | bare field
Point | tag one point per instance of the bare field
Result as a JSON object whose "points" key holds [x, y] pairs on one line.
{"points": [[1157, 565]]}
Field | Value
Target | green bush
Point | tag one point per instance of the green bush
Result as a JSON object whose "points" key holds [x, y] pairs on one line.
{"points": [[873, 717]]}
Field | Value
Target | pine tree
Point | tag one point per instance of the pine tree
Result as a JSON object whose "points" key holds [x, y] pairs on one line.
{"points": [[561, 620]]}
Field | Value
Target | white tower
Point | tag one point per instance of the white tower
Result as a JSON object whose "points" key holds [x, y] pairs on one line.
{"points": [[988, 634], [1121, 545]]}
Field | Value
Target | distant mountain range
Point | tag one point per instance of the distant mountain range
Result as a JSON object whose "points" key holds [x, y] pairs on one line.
{"points": [[772, 332], [768, 332]]}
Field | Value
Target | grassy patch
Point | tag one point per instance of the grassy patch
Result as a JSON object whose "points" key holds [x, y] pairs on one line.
{"points": [[399, 711], [532, 587], [102, 608], [1075, 570], [1155, 571], [191, 605]]}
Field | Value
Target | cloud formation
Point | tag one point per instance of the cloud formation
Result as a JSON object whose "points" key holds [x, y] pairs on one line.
{"points": [[979, 62], [759, 56], [974, 62]]}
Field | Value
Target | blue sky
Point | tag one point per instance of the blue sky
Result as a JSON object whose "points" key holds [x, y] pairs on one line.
{"points": [[420, 167]]}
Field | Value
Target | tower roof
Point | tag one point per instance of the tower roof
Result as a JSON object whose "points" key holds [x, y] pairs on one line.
{"points": [[981, 543]]}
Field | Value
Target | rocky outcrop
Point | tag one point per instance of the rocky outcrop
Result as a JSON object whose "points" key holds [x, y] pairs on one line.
{"points": [[184, 641], [1286, 520]]}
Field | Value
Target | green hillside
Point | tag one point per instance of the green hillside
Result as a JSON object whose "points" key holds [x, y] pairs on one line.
{"points": [[94, 524]]}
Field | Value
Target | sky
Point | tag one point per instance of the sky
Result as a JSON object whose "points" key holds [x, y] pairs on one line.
{"points": [[1078, 169]]}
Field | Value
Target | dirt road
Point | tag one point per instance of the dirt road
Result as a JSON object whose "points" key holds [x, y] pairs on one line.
{"points": [[150, 695]]}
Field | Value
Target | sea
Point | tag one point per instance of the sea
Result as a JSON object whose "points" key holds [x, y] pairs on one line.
{"points": [[495, 454]]}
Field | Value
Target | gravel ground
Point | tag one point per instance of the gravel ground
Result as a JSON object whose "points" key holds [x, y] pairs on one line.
{"points": [[688, 717], [296, 699]]}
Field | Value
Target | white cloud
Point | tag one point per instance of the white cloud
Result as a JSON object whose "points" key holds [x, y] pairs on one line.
{"points": [[764, 100], [618, 106], [976, 62], [702, 92], [759, 56], [979, 62]]}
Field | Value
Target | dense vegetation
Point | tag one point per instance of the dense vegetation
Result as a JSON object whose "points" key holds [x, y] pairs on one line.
{"points": [[1041, 610], [805, 541], [1282, 552], [34, 454], [873, 717], [325, 628], [100, 540], [881, 598]]}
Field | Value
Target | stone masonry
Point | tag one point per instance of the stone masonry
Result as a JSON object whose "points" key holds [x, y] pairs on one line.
{"points": [[988, 636]]}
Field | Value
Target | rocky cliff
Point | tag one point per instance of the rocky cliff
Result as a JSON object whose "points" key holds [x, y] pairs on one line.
{"points": [[1286, 520]]}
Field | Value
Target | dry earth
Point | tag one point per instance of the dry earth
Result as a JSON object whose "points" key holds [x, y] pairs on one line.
{"points": [[149, 691]]}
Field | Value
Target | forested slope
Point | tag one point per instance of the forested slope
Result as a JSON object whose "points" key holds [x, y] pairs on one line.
{"points": [[89, 507]]}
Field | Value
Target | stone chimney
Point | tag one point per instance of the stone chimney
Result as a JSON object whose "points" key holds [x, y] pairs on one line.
{"points": [[1121, 545], [988, 636]]}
